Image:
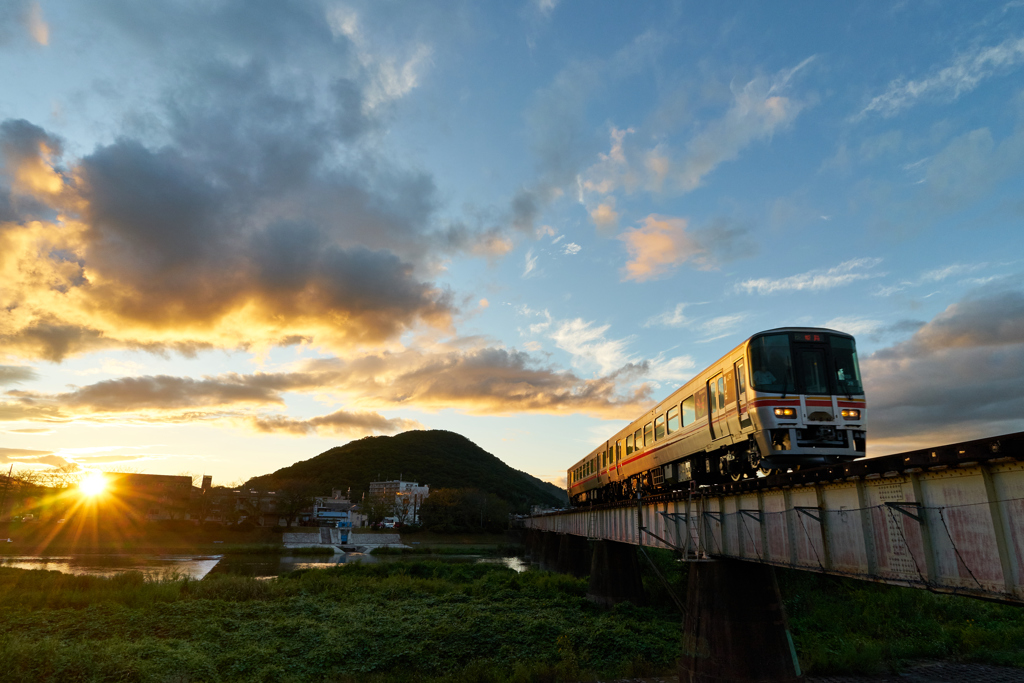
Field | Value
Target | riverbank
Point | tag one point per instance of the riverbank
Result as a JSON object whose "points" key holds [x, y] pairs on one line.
{"points": [[384, 622]]}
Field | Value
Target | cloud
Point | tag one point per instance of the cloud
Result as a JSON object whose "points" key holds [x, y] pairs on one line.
{"points": [[24, 456], [36, 24], [588, 345], [477, 380], [656, 248], [845, 273], [605, 216], [853, 325], [956, 378], [967, 171], [963, 75], [663, 243], [672, 318], [758, 110], [241, 206], [339, 422], [571, 249], [530, 262], [15, 374], [709, 329]]}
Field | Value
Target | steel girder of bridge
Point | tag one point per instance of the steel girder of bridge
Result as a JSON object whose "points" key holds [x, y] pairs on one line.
{"points": [[948, 519]]}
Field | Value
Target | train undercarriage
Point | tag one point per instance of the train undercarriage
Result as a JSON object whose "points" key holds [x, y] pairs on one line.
{"points": [[733, 463]]}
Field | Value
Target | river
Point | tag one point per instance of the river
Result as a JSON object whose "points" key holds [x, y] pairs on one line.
{"points": [[198, 566]]}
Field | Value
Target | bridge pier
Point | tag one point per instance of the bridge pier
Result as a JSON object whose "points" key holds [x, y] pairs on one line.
{"points": [[549, 545], [615, 574], [532, 539], [573, 557], [735, 627]]}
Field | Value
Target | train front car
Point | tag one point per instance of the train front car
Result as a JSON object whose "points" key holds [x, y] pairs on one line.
{"points": [[806, 399]]}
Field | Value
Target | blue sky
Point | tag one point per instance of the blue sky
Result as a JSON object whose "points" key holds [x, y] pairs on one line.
{"points": [[235, 234]]}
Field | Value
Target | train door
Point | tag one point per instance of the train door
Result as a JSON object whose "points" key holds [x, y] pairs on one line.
{"points": [[740, 371], [716, 404]]}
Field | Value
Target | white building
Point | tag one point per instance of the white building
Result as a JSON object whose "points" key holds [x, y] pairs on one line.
{"points": [[403, 497]]}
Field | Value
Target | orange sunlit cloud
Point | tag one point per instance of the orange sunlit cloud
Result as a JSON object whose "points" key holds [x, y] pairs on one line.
{"points": [[657, 247]]}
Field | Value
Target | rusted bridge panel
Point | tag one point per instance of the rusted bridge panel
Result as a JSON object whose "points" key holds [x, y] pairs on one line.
{"points": [[949, 519]]}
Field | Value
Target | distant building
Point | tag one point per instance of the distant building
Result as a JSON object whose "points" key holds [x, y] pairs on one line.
{"points": [[151, 496], [403, 499]]}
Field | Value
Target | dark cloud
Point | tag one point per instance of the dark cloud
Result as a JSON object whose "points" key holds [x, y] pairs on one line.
{"points": [[339, 422], [23, 456], [15, 374], [723, 241], [164, 393], [958, 376], [480, 380], [254, 205]]}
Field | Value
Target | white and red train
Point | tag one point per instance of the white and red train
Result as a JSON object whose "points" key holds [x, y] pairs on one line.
{"points": [[784, 398]]}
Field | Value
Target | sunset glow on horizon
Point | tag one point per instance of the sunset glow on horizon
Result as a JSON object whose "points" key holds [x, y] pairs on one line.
{"points": [[235, 236]]}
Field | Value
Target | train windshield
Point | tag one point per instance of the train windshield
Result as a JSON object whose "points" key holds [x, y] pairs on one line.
{"points": [[800, 363]]}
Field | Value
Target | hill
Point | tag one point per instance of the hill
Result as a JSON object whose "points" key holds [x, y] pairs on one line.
{"points": [[439, 458]]}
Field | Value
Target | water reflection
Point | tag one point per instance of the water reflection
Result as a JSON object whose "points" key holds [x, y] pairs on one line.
{"points": [[151, 566], [263, 566], [197, 567]]}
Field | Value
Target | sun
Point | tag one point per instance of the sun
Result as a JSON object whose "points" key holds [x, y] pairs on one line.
{"points": [[93, 484]]}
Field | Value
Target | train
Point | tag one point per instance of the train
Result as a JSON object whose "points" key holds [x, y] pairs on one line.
{"points": [[785, 398]]}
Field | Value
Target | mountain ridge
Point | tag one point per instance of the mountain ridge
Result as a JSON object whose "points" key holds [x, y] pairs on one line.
{"points": [[438, 458]]}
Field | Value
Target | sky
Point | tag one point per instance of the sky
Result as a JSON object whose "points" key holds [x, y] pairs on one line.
{"points": [[235, 234]]}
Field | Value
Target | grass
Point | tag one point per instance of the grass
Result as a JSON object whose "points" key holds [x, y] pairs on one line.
{"points": [[501, 550], [847, 626], [420, 621], [425, 620]]}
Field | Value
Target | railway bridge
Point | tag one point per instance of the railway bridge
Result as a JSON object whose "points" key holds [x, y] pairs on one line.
{"points": [[948, 519]]}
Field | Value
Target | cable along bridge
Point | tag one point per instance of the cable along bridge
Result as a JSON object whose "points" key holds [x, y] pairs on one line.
{"points": [[947, 519]]}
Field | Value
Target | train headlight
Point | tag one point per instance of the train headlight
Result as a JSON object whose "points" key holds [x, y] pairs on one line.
{"points": [[851, 414], [785, 412]]}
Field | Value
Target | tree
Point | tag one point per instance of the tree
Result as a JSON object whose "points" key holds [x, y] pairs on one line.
{"points": [[464, 510], [294, 496], [377, 508], [254, 505]]}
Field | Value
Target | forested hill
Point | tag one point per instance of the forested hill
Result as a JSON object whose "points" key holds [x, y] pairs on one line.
{"points": [[440, 459]]}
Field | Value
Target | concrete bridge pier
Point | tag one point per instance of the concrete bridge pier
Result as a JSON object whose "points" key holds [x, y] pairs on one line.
{"points": [[532, 542], [549, 546], [615, 574], [573, 556], [735, 627]]}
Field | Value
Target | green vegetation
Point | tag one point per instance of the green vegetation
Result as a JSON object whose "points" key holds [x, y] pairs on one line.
{"points": [[848, 626], [418, 621], [440, 459], [498, 550]]}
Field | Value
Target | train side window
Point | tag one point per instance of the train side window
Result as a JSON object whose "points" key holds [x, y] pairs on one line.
{"points": [[638, 439], [629, 445], [618, 450], [659, 427], [700, 400], [721, 393], [689, 412], [673, 419], [604, 459], [648, 434], [713, 396]]}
